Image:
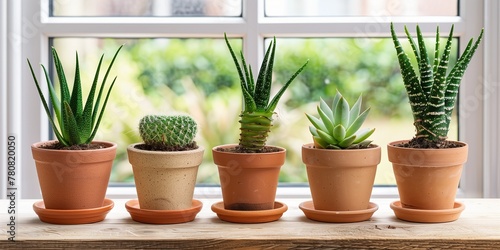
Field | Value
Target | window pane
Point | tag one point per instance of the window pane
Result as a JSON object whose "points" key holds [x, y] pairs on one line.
{"points": [[315, 8], [197, 76], [169, 8]]}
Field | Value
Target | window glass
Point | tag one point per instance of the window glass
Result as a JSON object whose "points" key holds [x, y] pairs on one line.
{"points": [[169, 8], [197, 76], [314, 8]]}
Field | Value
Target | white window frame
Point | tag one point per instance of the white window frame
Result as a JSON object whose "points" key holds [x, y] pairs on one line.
{"points": [[26, 28]]}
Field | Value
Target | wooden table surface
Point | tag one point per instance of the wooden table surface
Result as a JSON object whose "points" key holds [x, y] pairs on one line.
{"points": [[477, 228]]}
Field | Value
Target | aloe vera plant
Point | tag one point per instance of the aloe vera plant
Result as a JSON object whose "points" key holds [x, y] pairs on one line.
{"points": [[338, 126], [433, 92], [256, 116], [76, 124]]}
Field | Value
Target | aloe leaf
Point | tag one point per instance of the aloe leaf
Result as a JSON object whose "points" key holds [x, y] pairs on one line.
{"points": [[278, 95], [363, 135], [426, 76], [45, 105], [316, 122], [357, 123], [63, 84], [102, 112], [412, 43], [247, 97], [98, 99], [264, 80], [326, 119], [71, 125], [339, 132], [54, 100], [436, 52], [76, 95], [434, 126], [412, 85], [251, 83], [456, 74], [248, 75]]}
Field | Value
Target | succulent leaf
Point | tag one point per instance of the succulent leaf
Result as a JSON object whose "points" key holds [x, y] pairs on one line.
{"points": [[347, 142], [342, 112], [363, 135], [328, 138], [313, 131], [326, 109], [318, 123], [339, 132], [354, 112], [357, 123], [326, 119]]}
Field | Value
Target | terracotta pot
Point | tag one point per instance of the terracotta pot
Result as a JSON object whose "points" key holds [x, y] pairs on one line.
{"points": [[248, 180], [341, 180], [427, 178], [73, 179], [165, 180]]}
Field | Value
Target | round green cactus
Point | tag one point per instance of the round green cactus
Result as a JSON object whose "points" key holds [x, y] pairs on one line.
{"points": [[170, 131]]}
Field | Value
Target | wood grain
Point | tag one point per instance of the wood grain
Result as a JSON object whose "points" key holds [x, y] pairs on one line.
{"points": [[477, 228]]}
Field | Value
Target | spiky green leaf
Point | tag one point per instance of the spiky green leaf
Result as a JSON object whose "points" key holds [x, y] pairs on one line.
{"points": [[276, 98]]}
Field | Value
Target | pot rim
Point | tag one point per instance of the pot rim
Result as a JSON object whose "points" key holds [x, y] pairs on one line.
{"points": [[310, 146], [214, 149], [131, 147], [392, 145], [110, 146]]}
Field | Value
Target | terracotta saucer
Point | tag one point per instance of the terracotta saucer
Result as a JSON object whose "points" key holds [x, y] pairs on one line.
{"points": [[257, 216], [337, 216], [72, 216], [162, 216], [429, 216]]}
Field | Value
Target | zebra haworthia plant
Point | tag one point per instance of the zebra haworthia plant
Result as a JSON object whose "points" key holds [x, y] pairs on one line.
{"points": [[76, 124], [256, 116], [338, 127], [433, 92]]}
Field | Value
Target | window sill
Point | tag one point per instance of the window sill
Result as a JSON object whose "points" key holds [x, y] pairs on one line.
{"points": [[298, 191], [477, 227]]}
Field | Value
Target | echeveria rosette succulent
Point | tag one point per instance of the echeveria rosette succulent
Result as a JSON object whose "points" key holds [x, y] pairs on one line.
{"points": [[76, 124], [168, 131], [433, 92], [256, 116], [338, 126]]}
